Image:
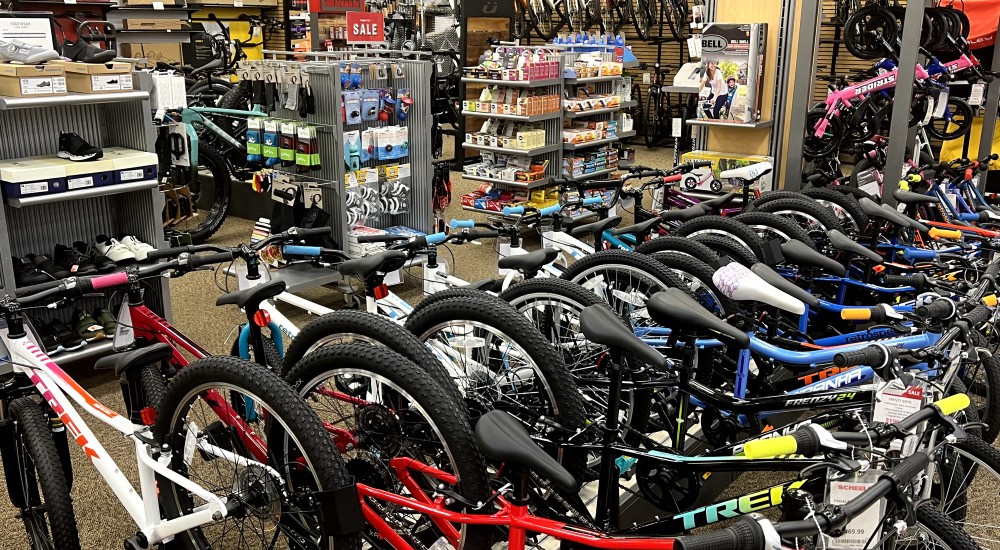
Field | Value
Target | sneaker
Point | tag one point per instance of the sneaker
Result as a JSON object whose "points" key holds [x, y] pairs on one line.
{"points": [[74, 148], [43, 262], [29, 54], [106, 320], [86, 326], [47, 337], [86, 52], [73, 260], [25, 273], [137, 247], [114, 250], [102, 262], [68, 339]]}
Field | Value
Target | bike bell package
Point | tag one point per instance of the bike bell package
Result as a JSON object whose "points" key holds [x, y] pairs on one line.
{"points": [[732, 64]]}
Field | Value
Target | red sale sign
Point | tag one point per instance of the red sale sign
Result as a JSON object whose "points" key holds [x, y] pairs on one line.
{"points": [[365, 28]]}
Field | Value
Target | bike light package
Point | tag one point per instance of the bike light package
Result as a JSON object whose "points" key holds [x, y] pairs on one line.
{"points": [[732, 64]]}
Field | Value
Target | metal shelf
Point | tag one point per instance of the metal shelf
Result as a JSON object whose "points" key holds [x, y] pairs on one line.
{"points": [[520, 184], [228, 7], [629, 103], [83, 193], [591, 175], [61, 3], [522, 118], [504, 150], [590, 79], [181, 31], [679, 89], [514, 83], [581, 114], [626, 135], [742, 125], [588, 144], [71, 99], [150, 8]]}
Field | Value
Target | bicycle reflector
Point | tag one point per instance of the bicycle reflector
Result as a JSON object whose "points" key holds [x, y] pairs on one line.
{"points": [[148, 415], [261, 318], [381, 291]]}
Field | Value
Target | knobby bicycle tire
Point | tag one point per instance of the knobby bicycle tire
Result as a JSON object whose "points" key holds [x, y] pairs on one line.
{"points": [[845, 206], [693, 268], [212, 217], [726, 246], [721, 225], [787, 229], [679, 244]]}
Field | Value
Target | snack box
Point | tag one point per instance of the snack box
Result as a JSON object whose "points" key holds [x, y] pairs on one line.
{"points": [[131, 165], [32, 177]]}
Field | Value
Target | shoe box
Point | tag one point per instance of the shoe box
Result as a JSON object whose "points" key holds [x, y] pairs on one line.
{"points": [[144, 24], [130, 165], [153, 52], [47, 80], [29, 177], [97, 78]]}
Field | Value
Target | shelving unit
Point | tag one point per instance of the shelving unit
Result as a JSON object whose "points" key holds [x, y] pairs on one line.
{"points": [[519, 184], [521, 118], [592, 112], [522, 152], [83, 194], [591, 175], [607, 85], [515, 83]]}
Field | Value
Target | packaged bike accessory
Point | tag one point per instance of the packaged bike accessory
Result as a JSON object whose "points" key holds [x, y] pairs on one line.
{"points": [[284, 189], [307, 151], [262, 181], [255, 135], [352, 150], [368, 139], [352, 107], [287, 146], [388, 105], [270, 144], [369, 105]]}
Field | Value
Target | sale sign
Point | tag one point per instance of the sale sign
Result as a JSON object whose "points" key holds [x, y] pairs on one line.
{"points": [[365, 28]]}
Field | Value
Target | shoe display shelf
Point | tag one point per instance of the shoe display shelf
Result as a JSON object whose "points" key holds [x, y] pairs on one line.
{"points": [[37, 224]]}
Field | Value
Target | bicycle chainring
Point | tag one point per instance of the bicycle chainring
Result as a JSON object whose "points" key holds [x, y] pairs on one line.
{"points": [[720, 430], [668, 489]]}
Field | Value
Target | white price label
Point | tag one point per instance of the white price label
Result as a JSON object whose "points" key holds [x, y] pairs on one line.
{"points": [[646, 78], [941, 104], [79, 183], [676, 127], [894, 403], [157, 5], [860, 530], [929, 112], [129, 175], [977, 94], [872, 188], [237, 3], [33, 188]]}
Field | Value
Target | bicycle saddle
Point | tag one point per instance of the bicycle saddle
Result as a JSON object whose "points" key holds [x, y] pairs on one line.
{"points": [[640, 228], [908, 197], [530, 262], [685, 214], [736, 281], [846, 244], [775, 279], [252, 296], [502, 438], [387, 261], [748, 173], [136, 358], [602, 326], [719, 202], [906, 221], [674, 309], [211, 65], [596, 227], [889, 214], [799, 253]]}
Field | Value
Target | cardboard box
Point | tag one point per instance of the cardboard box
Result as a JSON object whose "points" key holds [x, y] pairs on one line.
{"points": [[131, 165], [154, 3], [32, 80], [98, 78], [143, 24], [31, 177], [166, 52], [707, 179]]}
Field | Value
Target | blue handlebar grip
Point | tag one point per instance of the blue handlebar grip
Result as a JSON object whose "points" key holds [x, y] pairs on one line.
{"points": [[436, 238], [550, 210], [512, 210], [593, 200], [919, 254], [969, 217], [456, 224], [298, 250]]}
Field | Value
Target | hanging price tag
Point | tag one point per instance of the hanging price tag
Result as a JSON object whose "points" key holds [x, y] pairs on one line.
{"points": [[894, 403], [677, 127], [941, 104], [929, 112], [859, 531], [977, 93]]}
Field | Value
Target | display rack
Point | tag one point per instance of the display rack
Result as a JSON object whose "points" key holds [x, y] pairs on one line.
{"points": [[36, 224], [603, 84]]}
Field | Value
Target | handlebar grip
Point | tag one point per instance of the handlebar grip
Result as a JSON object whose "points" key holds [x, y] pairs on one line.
{"points": [[35, 289], [700, 164], [993, 270], [476, 234], [941, 308], [648, 174], [592, 200], [298, 250], [107, 281], [208, 259], [917, 280], [311, 232], [856, 314], [459, 224], [953, 403], [906, 470], [153, 255], [978, 316], [919, 254], [436, 238], [968, 174], [938, 233], [871, 356], [379, 238], [746, 533], [803, 441], [550, 210], [512, 210], [974, 217]]}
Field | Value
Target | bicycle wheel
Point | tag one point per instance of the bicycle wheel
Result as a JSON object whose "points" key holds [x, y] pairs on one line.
{"points": [[36, 481], [521, 21], [934, 529], [956, 122], [972, 497], [983, 383], [698, 277], [866, 29], [770, 226], [210, 187], [208, 92], [548, 20], [642, 17], [813, 146], [272, 358], [386, 407], [850, 214], [267, 468], [676, 15], [719, 225], [684, 246], [504, 363], [814, 218], [726, 246], [651, 124]]}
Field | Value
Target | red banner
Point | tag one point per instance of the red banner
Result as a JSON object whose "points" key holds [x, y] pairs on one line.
{"points": [[328, 6], [365, 28]]}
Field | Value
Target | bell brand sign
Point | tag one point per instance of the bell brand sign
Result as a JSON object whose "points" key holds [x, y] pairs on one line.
{"points": [[365, 28]]}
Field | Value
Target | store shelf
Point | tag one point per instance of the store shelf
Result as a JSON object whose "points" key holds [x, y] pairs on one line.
{"points": [[514, 83], [506, 151], [522, 118], [158, 31], [7, 103], [741, 125], [592, 112], [592, 175], [588, 144], [629, 103], [150, 8], [229, 6], [92, 350], [626, 135], [680, 89], [508, 183], [83, 193], [592, 79], [61, 3]]}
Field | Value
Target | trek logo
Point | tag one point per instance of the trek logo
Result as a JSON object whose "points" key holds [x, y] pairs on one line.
{"points": [[821, 375], [850, 376], [713, 43], [846, 396], [872, 335], [753, 502], [865, 88], [57, 407]]}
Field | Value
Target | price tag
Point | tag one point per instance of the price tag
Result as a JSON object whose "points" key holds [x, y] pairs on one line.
{"points": [[872, 188], [894, 402], [69, 1], [645, 78], [157, 5], [941, 105], [237, 3], [676, 127], [860, 530], [929, 112], [977, 94]]}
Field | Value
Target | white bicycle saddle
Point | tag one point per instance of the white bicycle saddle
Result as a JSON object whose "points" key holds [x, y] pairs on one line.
{"points": [[739, 283], [748, 173]]}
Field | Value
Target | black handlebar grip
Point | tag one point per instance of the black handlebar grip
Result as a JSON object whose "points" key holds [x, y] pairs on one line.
{"points": [[35, 289], [312, 232], [917, 280], [872, 356], [475, 234], [700, 163], [648, 174], [806, 442], [941, 308], [380, 238], [816, 178], [978, 316], [208, 259], [878, 315], [993, 270], [745, 534], [167, 252], [909, 468]]}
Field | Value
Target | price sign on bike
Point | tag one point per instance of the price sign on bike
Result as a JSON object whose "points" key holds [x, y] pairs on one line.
{"points": [[365, 28], [859, 531]]}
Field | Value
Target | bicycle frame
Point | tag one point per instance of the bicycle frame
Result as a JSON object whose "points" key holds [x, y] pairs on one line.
{"points": [[192, 116], [839, 98]]}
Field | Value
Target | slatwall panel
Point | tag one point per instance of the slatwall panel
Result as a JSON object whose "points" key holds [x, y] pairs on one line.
{"points": [[278, 40], [829, 51]]}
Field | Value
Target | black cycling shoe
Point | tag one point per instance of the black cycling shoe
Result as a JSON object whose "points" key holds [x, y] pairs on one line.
{"points": [[102, 262], [25, 273], [74, 260], [86, 52], [74, 148], [48, 338], [68, 338], [41, 261]]}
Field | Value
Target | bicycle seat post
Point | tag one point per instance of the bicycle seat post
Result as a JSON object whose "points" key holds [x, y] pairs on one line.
{"points": [[607, 494]]}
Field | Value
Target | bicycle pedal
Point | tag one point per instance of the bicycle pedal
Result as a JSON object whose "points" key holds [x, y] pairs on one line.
{"points": [[136, 542]]}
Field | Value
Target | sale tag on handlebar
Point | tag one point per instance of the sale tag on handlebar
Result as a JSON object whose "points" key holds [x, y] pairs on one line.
{"points": [[894, 402], [858, 533]]}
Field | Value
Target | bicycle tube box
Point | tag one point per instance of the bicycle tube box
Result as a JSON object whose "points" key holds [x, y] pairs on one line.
{"points": [[31, 177], [131, 166], [84, 175]]}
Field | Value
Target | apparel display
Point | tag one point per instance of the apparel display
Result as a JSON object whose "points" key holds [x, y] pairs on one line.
{"points": [[772, 327]]}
